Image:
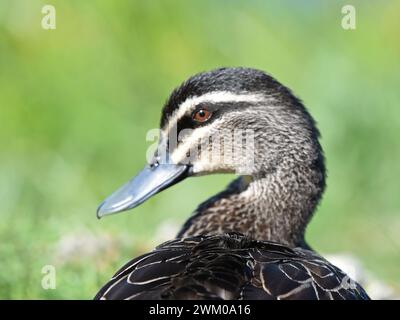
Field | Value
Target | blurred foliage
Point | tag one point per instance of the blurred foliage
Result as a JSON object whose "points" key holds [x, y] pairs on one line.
{"points": [[76, 103]]}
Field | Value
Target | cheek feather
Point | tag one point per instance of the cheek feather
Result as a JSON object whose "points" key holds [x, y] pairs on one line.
{"points": [[192, 141]]}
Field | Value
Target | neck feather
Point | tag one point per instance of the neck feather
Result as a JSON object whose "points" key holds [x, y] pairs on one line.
{"points": [[274, 206]]}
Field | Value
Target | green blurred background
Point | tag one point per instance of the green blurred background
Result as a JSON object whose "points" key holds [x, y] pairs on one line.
{"points": [[76, 103]]}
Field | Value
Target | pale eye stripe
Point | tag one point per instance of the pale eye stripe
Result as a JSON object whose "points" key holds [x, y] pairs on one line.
{"points": [[212, 97], [179, 154]]}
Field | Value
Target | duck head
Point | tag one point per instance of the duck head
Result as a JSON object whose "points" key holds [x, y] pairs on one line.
{"points": [[228, 120]]}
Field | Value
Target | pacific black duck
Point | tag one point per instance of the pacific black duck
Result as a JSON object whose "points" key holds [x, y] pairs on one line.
{"points": [[247, 242]]}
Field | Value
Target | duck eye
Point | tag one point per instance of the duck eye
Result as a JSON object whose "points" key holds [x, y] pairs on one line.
{"points": [[202, 115]]}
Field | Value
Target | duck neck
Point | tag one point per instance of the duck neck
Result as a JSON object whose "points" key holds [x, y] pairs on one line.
{"points": [[274, 206]]}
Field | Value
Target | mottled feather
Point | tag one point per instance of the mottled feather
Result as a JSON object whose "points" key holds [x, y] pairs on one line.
{"points": [[230, 266]]}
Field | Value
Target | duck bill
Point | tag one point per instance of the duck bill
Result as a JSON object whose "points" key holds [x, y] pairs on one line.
{"points": [[146, 184]]}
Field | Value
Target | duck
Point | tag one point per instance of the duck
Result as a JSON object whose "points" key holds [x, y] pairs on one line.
{"points": [[248, 241]]}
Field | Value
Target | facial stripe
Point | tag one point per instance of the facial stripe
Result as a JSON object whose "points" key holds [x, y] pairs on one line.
{"points": [[213, 97], [179, 154]]}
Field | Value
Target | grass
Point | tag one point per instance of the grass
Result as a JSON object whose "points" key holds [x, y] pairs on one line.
{"points": [[76, 103]]}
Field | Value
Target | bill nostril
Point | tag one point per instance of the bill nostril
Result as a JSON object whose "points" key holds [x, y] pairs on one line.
{"points": [[154, 164]]}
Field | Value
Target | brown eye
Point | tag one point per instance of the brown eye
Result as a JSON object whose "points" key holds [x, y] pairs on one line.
{"points": [[202, 115]]}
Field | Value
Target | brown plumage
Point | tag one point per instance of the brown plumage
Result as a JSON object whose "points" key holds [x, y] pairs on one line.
{"points": [[246, 242], [230, 266]]}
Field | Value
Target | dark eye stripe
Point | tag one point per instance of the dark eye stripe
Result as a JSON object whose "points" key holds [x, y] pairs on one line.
{"points": [[217, 109]]}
